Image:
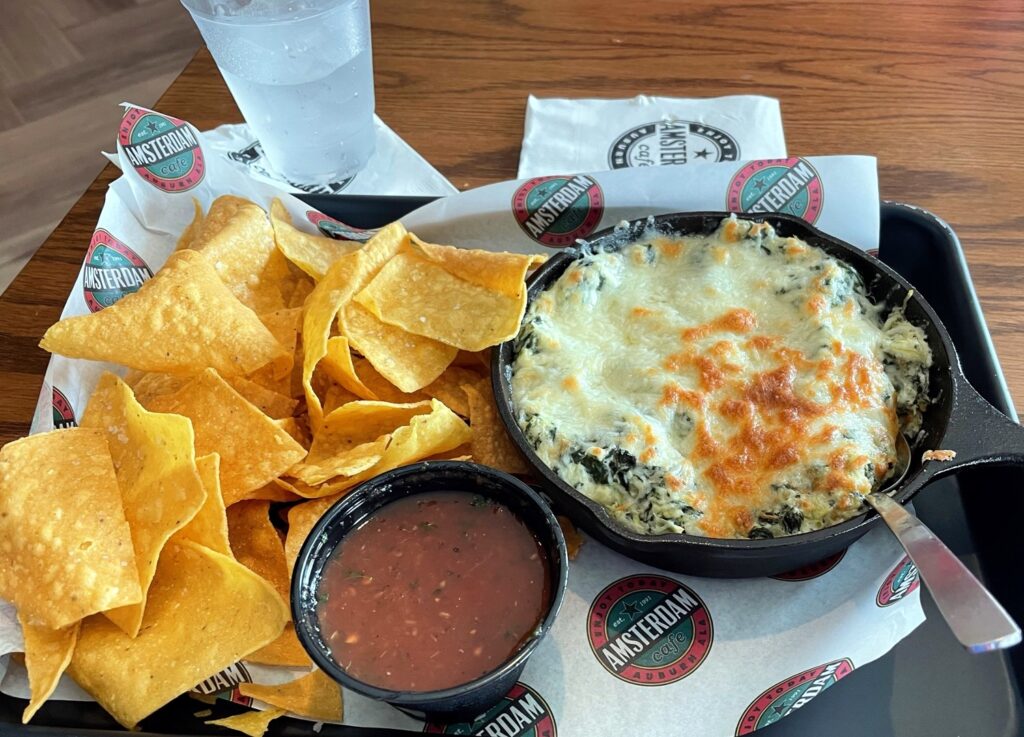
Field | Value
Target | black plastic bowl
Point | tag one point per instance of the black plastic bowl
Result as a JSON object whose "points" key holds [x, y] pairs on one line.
{"points": [[469, 699], [958, 419]]}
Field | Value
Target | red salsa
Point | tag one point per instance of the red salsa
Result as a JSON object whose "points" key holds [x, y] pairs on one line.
{"points": [[432, 591]]}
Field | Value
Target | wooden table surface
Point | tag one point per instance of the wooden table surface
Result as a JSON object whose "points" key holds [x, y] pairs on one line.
{"points": [[934, 89]]}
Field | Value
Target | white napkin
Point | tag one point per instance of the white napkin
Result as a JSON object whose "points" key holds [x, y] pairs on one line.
{"points": [[394, 169], [567, 136]]}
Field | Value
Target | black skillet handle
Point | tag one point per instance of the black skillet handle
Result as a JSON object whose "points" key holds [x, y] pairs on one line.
{"points": [[978, 433]]}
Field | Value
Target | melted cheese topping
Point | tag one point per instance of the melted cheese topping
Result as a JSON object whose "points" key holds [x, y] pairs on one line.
{"points": [[732, 385]]}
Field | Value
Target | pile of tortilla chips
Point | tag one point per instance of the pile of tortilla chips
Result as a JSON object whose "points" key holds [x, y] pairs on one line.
{"points": [[269, 371]]}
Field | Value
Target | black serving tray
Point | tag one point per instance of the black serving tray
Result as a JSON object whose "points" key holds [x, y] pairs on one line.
{"points": [[927, 685]]}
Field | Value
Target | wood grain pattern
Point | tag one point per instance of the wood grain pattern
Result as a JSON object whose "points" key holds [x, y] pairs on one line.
{"points": [[935, 89], [64, 67]]}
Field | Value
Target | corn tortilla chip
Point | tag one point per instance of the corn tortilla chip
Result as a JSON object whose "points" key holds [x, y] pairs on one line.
{"points": [[154, 460], [236, 238], [346, 276], [209, 527], [408, 361], [253, 723], [504, 273], [313, 696], [314, 254], [253, 450], [421, 297], [272, 492], [267, 401], [477, 360], [286, 650], [47, 654], [426, 435], [353, 438], [573, 539], [65, 547], [303, 490], [189, 234], [301, 520], [336, 395], [447, 387], [491, 444], [284, 325], [147, 385], [180, 321], [339, 365], [205, 612], [296, 427], [256, 544]]}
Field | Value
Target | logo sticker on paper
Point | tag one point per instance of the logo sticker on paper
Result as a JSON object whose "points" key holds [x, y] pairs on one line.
{"points": [[521, 713], [649, 630], [555, 211], [902, 581], [667, 142], [812, 570], [225, 680], [111, 271], [163, 150], [63, 412], [336, 229], [791, 186], [787, 696]]}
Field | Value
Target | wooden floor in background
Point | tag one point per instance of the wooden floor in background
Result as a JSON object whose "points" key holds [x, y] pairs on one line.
{"points": [[64, 67]]}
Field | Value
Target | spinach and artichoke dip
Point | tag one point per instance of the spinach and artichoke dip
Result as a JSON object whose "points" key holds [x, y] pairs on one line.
{"points": [[733, 385]]}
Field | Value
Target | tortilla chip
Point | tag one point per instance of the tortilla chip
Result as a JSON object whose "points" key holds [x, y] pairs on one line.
{"points": [[253, 723], [504, 273], [47, 654], [205, 612], [313, 696], [296, 427], [268, 402], [408, 361], [253, 450], [426, 435], [210, 525], [284, 325], [189, 234], [353, 438], [462, 453], [303, 288], [447, 387], [474, 359], [256, 544], [301, 520], [346, 276], [491, 444], [236, 238], [65, 547], [314, 254], [181, 321], [339, 365], [573, 539], [421, 297], [286, 650], [336, 395], [147, 385], [272, 492], [154, 460]]}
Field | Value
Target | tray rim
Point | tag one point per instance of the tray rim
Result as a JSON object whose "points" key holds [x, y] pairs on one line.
{"points": [[1002, 401]]}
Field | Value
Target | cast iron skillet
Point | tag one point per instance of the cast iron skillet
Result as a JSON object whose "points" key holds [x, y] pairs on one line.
{"points": [[958, 419]]}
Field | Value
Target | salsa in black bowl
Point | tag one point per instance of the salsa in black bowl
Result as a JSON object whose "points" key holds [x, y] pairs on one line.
{"points": [[429, 586]]}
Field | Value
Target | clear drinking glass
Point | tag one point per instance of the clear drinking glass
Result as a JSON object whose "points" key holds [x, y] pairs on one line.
{"points": [[301, 72]]}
